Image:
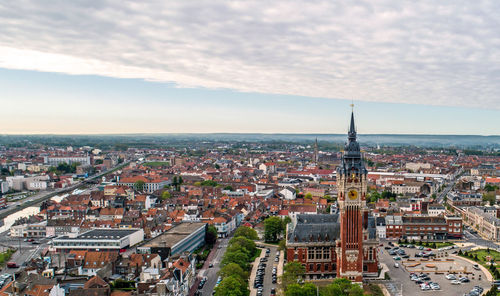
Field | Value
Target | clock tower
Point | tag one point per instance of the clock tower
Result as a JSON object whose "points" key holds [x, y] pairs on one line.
{"points": [[351, 187]]}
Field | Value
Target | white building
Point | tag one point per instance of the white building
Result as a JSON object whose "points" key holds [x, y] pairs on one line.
{"points": [[436, 210], [288, 193], [101, 239], [404, 189], [4, 186], [56, 160]]}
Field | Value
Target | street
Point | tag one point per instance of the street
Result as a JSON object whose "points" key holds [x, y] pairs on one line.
{"points": [[211, 273], [25, 250]]}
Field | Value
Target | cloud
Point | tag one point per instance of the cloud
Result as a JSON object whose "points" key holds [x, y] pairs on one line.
{"points": [[425, 52]]}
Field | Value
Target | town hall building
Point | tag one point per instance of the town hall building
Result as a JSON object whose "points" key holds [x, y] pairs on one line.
{"points": [[344, 244]]}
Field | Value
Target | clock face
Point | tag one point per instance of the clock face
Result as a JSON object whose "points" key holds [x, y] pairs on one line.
{"points": [[353, 194]]}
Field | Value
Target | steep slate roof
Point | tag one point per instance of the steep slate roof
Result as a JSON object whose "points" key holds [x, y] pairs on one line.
{"points": [[317, 227]]}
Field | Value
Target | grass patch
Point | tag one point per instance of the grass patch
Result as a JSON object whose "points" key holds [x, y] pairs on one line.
{"points": [[157, 163], [479, 256], [374, 290], [434, 245], [5, 256]]}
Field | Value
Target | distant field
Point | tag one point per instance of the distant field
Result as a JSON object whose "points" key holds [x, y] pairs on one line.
{"points": [[156, 163]]}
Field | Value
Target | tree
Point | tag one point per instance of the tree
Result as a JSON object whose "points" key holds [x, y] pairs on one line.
{"points": [[139, 185], [273, 227], [232, 286], [165, 195], [286, 220], [247, 232], [243, 242], [489, 187], [233, 269], [307, 289], [282, 245], [211, 235], [292, 272], [308, 196], [64, 168], [490, 197], [209, 183], [239, 257], [229, 187], [341, 287]]}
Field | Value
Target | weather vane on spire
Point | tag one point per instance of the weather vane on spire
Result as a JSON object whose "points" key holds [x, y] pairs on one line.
{"points": [[352, 105]]}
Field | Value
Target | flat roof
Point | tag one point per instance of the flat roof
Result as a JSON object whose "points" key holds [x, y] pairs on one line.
{"points": [[174, 235], [101, 234]]}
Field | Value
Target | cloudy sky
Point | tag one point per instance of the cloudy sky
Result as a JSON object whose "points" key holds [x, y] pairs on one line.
{"points": [[249, 66]]}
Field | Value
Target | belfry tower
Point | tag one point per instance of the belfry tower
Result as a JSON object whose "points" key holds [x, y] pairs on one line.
{"points": [[351, 187]]}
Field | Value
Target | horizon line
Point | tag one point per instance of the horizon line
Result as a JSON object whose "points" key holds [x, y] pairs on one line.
{"points": [[239, 133]]}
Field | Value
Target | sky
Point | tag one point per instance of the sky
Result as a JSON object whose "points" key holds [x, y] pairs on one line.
{"points": [[96, 67]]}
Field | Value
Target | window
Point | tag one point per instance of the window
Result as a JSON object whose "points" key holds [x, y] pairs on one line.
{"points": [[318, 267], [310, 253], [318, 252], [311, 267], [326, 253]]}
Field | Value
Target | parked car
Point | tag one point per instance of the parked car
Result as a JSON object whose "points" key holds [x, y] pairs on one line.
{"points": [[12, 265], [451, 277], [396, 265], [455, 282]]}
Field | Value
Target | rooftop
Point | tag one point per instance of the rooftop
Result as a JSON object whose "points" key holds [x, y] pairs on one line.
{"points": [[101, 234], [171, 237]]}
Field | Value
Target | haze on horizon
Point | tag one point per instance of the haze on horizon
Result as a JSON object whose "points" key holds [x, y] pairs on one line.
{"points": [[121, 67]]}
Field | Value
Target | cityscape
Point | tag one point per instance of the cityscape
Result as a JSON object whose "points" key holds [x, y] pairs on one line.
{"points": [[194, 148]]}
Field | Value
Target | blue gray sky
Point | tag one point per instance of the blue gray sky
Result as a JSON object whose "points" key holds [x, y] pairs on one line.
{"points": [[421, 67]]}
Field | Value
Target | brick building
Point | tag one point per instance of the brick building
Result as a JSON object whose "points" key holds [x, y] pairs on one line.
{"points": [[344, 244]]}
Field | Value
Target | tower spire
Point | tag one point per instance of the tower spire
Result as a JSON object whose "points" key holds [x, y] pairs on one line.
{"points": [[352, 128]]}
